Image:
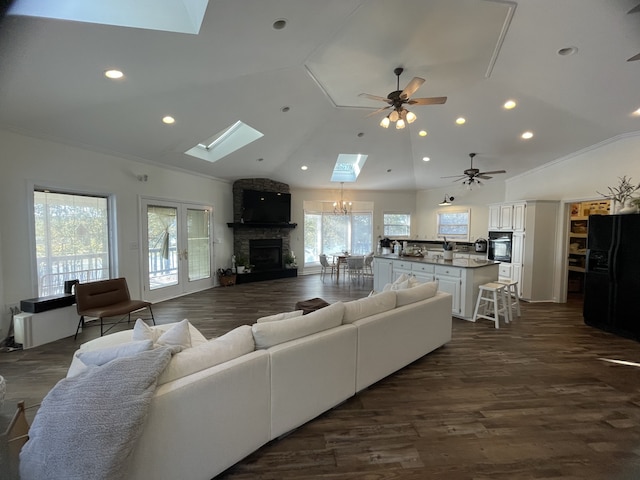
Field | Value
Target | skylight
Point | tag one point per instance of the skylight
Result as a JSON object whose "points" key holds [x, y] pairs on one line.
{"points": [[348, 167], [184, 16], [225, 142]]}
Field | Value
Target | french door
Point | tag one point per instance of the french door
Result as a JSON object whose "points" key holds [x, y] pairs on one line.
{"points": [[177, 254]]}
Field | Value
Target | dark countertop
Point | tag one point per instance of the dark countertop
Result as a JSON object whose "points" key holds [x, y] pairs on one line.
{"points": [[456, 262]]}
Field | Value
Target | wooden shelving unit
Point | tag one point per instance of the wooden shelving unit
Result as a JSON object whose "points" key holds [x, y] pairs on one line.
{"points": [[577, 239]]}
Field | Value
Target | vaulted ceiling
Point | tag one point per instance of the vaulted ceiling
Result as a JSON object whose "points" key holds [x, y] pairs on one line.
{"points": [[300, 85]]}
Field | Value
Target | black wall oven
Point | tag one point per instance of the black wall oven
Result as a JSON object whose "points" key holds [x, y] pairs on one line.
{"points": [[500, 246]]}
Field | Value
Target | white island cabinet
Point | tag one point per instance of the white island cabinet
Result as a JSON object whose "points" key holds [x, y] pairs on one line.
{"points": [[460, 277]]}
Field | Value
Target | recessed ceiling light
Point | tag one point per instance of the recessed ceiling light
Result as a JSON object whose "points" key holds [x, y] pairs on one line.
{"points": [[460, 120], [565, 52], [168, 120], [279, 24], [425, 159], [636, 113], [113, 74], [527, 135], [422, 133], [304, 167], [509, 104]]}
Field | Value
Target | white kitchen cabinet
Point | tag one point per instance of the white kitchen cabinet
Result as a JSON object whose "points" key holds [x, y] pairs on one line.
{"points": [[506, 217], [382, 272], [423, 272], [494, 217], [518, 216], [450, 281], [401, 267], [504, 271]]}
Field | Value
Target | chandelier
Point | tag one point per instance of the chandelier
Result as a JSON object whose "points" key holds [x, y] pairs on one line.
{"points": [[401, 116], [342, 207]]}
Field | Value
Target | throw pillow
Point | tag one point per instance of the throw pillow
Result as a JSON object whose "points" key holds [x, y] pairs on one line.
{"points": [[142, 331], [233, 344], [177, 336], [272, 333], [416, 294], [365, 307], [104, 355], [280, 316]]}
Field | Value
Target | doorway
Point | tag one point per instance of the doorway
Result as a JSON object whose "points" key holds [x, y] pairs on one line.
{"points": [[177, 253]]}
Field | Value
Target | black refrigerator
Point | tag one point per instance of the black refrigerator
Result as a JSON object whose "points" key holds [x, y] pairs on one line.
{"points": [[612, 278]]}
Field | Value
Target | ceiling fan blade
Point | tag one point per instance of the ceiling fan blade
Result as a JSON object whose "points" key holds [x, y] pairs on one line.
{"points": [[459, 177], [635, 9], [634, 58], [375, 97], [494, 172], [427, 101], [378, 111], [411, 88], [484, 177]]}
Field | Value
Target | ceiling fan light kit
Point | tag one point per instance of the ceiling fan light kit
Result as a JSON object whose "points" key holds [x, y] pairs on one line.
{"points": [[398, 98]]}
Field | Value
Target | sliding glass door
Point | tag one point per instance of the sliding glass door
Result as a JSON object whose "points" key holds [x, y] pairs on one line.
{"points": [[177, 249]]}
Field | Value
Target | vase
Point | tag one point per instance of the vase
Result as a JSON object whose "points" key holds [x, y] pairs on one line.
{"points": [[625, 208]]}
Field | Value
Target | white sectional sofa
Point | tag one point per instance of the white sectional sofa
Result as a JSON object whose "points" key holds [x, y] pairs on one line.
{"points": [[287, 370]]}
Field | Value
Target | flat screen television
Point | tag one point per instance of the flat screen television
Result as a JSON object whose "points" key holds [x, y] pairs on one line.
{"points": [[266, 207]]}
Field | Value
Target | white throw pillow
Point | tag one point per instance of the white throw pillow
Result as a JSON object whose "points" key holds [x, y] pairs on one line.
{"points": [[365, 307], [272, 333], [416, 294], [103, 355], [175, 334], [280, 316], [233, 344]]}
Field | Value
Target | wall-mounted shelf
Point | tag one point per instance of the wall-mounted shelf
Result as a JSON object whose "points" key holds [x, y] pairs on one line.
{"points": [[261, 225]]}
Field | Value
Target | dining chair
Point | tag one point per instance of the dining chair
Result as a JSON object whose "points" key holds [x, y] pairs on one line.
{"points": [[324, 265], [355, 267], [368, 265]]}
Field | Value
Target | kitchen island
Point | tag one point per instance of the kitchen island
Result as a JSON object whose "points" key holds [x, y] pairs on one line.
{"points": [[460, 277]]}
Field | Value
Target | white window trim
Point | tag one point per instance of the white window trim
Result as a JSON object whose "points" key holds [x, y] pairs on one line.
{"points": [[461, 238], [397, 213], [113, 233]]}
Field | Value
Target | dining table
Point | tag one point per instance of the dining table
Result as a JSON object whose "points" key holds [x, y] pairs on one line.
{"points": [[339, 258]]}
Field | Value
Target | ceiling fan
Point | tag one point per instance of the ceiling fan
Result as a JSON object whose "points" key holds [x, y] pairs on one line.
{"points": [[399, 98], [635, 9], [473, 176]]}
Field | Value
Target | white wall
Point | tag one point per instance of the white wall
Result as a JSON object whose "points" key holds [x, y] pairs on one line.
{"points": [[476, 200], [26, 161]]}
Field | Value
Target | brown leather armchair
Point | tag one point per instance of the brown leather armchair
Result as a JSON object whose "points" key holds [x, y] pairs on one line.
{"points": [[107, 298]]}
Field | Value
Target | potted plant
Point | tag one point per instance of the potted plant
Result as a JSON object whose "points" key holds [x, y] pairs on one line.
{"points": [[621, 195], [290, 260], [448, 248], [241, 263]]}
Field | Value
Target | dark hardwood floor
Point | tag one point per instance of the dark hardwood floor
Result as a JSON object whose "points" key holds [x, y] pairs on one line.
{"points": [[535, 399]]}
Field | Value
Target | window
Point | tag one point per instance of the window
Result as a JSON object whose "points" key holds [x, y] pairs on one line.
{"points": [[71, 239], [329, 233], [454, 225], [397, 224]]}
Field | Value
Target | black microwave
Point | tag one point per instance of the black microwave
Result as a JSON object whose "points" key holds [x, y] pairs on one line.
{"points": [[499, 246]]}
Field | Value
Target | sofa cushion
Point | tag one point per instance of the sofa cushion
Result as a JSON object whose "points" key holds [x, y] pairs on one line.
{"points": [[415, 294], [280, 316], [272, 333], [233, 344], [103, 355], [365, 307]]}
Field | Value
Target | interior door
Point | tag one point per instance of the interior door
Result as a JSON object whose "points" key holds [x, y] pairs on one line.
{"points": [[177, 255]]}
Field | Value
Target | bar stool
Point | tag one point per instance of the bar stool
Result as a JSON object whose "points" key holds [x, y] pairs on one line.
{"points": [[492, 296], [513, 297]]}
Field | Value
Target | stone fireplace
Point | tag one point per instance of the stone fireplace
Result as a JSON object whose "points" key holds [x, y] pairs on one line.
{"points": [[265, 245]]}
